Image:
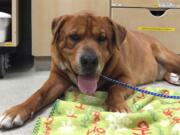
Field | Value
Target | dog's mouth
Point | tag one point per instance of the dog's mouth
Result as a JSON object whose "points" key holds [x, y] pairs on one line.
{"points": [[87, 83]]}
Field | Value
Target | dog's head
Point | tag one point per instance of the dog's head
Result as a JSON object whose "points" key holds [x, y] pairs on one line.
{"points": [[84, 43]]}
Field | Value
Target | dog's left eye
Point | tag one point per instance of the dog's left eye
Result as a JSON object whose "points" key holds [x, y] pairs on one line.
{"points": [[101, 38], [74, 37]]}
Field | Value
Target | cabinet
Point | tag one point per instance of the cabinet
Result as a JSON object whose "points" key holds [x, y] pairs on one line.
{"points": [[11, 7], [43, 12], [159, 19]]}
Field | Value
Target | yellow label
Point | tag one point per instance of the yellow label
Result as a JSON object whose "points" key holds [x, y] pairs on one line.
{"points": [[170, 29], [7, 44]]}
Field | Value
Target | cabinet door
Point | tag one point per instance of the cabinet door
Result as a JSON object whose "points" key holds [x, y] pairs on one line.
{"points": [[43, 12]]}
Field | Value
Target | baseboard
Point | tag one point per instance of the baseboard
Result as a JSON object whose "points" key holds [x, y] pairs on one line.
{"points": [[42, 63]]}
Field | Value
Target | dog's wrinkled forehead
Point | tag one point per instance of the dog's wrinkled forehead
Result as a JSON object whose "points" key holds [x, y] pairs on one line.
{"points": [[85, 24]]}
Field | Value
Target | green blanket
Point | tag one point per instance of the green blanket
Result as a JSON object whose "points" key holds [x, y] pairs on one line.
{"points": [[80, 114]]}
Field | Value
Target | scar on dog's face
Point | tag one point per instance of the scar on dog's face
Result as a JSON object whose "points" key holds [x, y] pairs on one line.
{"points": [[85, 43]]}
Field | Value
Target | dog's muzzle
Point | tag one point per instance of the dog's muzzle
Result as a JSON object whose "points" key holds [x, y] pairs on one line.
{"points": [[86, 80]]}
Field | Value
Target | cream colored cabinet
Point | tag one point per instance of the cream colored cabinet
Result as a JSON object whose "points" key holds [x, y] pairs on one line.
{"points": [[158, 18], [43, 12]]}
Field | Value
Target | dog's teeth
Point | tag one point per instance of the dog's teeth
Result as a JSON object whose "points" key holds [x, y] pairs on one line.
{"points": [[17, 121], [6, 122]]}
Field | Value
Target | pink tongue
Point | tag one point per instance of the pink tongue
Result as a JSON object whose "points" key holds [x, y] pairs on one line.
{"points": [[87, 84]]}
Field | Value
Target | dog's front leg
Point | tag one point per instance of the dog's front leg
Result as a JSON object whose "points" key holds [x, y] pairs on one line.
{"points": [[117, 96], [49, 92]]}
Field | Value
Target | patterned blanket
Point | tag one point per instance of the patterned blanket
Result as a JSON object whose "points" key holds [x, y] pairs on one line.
{"points": [[80, 114]]}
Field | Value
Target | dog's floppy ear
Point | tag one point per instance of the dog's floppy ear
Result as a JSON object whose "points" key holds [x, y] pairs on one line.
{"points": [[56, 27], [119, 33]]}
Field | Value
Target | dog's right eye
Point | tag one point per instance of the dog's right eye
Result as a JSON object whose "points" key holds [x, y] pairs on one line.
{"points": [[101, 38], [74, 37]]}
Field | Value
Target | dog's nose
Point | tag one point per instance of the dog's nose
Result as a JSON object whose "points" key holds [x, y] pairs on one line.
{"points": [[89, 61]]}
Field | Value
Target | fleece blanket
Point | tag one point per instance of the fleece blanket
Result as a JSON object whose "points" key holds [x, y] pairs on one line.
{"points": [[80, 114]]}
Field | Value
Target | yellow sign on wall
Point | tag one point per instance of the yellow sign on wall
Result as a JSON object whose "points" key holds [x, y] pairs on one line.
{"points": [[143, 28]]}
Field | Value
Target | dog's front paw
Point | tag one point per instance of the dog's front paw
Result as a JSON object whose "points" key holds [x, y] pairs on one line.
{"points": [[121, 107], [14, 117]]}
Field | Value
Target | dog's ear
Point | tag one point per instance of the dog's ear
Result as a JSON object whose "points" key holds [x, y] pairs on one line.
{"points": [[119, 33], [56, 27]]}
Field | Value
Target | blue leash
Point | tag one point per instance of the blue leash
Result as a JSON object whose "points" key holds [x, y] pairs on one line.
{"points": [[138, 89]]}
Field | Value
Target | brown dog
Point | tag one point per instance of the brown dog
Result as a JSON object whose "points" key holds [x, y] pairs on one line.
{"points": [[84, 47]]}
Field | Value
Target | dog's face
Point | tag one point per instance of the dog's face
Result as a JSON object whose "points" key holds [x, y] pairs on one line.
{"points": [[84, 44]]}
